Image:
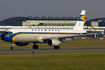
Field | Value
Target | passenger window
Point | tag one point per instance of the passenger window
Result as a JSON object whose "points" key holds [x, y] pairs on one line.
{"points": [[52, 30], [58, 30], [45, 29]]}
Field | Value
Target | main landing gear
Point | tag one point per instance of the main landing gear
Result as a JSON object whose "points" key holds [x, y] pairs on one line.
{"points": [[35, 46], [56, 47]]}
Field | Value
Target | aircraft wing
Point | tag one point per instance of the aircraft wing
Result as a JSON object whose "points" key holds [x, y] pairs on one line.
{"points": [[62, 37]]}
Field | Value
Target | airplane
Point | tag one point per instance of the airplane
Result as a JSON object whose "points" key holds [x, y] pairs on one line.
{"points": [[53, 37]]}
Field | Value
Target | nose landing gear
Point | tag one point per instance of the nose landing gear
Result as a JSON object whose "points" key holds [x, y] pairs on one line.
{"points": [[12, 46]]}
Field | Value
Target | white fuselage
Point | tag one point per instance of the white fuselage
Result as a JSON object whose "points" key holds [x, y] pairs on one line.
{"points": [[33, 35]]}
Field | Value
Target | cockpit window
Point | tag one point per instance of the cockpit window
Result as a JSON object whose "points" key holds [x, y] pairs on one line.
{"points": [[8, 33]]}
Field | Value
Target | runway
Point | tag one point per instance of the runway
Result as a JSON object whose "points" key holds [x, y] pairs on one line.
{"points": [[51, 50]]}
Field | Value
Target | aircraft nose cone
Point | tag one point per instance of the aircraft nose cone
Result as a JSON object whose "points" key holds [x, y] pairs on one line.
{"points": [[2, 37]]}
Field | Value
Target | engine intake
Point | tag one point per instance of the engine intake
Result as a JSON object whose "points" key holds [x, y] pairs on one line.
{"points": [[53, 42]]}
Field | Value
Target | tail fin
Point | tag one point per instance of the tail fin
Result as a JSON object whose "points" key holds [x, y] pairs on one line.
{"points": [[80, 23]]}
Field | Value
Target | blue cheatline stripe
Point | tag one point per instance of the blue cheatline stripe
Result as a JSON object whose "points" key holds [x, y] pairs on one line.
{"points": [[45, 33]]}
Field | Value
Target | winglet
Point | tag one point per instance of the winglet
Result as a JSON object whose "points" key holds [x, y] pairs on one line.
{"points": [[80, 23]]}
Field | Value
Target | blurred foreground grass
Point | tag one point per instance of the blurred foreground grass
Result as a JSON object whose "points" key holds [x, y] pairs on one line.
{"points": [[53, 61], [71, 44]]}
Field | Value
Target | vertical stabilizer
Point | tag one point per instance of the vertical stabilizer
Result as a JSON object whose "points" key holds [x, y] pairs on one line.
{"points": [[80, 23]]}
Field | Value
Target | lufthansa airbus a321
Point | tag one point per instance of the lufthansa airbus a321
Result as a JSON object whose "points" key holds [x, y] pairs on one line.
{"points": [[53, 37]]}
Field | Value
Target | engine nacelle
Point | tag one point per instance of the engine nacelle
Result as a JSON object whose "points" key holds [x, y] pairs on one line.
{"points": [[53, 42], [21, 43]]}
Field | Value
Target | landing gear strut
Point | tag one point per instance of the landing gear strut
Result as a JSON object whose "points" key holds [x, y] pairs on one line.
{"points": [[12, 46], [56, 47], [35, 46]]}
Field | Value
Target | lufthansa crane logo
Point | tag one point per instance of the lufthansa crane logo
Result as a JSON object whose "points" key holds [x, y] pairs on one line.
{"points": [[82, 17]]}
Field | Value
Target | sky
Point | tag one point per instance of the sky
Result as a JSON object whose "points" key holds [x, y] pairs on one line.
{"points": [[53, 8]]}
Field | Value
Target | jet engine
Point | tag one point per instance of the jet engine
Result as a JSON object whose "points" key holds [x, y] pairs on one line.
{"points": [[21, 43], [53, 42]]}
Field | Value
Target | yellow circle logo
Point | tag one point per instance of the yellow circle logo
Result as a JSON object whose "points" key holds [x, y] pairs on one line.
{"points": [[82, 18]]}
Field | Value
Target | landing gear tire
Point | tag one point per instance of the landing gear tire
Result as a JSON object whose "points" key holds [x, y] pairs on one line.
{"points": [[56, 47], [11, 48], [35, 46]]}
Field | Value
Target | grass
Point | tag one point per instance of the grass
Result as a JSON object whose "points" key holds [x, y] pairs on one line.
{"points": [[72, 44], [53, 61]]}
